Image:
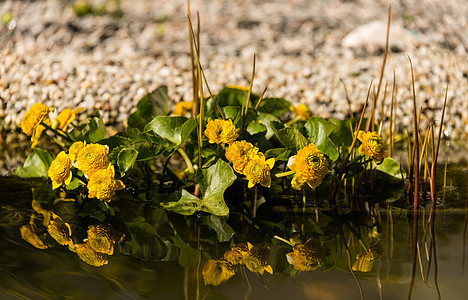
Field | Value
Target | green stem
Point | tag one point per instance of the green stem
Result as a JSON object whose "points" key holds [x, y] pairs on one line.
{"points": [[283, 240], [284, 174], [65, 135], [187, 160]]}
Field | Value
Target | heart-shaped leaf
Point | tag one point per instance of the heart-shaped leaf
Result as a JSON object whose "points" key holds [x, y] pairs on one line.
{"points": [[318, 130]]}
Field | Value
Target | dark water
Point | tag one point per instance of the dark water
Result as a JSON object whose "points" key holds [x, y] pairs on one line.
{"points": [[137, 273]]}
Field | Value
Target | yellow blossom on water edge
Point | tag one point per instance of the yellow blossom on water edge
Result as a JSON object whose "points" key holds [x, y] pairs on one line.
{"points": [[92, 157], [365, 261], [60, 231], [240, 153], [65, 117], [74, 149], [29, 234], [33, 117], [101, 238], [236, 254], [372, 145], [221, 131], [308, 256], [217, 271], [257, 170], [256, 259], [102, 184], [60, 170], [302, 111], [182, 108], [89, 256], [310, 165]]}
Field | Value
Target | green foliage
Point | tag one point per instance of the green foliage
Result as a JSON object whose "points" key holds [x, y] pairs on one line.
{"points": [[96, 130], [318, 131], [212, 182], [274, 106], [289, 137], [153, 104], [143, 242], [126, 159], [36, 165]]}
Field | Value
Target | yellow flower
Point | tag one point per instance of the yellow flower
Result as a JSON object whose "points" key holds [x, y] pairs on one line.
{"points": [[221, 131], [74, 149], [89, 256], [218, 271], [92, 157], [308, 256], [33, 117], [60, 231], [302, 111], [310, 165], [65, 117], [257, 170], [101, 238], [60, 170], [236, 254], [102, 184], [182, 108], [240, 153], [256, 259], [372, 145], [29, 234], [365, 261]]}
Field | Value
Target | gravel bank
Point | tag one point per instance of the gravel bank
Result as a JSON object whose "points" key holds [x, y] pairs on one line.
{"points": [[305, 47]]}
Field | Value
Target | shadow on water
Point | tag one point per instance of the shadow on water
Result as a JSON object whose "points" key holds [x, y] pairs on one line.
{"points": [[369, 247]]}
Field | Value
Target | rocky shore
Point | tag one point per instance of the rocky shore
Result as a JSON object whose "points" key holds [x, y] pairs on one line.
{"points": [[109, 60]]}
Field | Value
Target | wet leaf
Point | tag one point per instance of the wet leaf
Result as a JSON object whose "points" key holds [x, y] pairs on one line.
{"points": [[126, 159]]}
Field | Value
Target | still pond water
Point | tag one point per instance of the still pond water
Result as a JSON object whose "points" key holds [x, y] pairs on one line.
{"points": [[150, 267]]}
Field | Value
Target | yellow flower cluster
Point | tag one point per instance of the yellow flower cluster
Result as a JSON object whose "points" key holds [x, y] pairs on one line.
{"points": [[240, 153], [99, 245], [65, 117], [33, 117], [365, 261], [249, 161], [372, 145], [221, 131], [102, 184], [217, 271], [39, 113], [310, 165], [60, 170], [91, 158], [308, 256], [60, 231], [182, 108], [255, 258], [302, 111]]}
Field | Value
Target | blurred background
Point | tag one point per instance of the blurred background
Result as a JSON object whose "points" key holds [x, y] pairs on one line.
{"points": [[107, 54]]}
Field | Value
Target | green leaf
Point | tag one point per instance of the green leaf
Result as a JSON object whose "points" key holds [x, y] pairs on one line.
{"points": [[290, 137], [235, 114], [267, 119], [75, 183], [36, 165], [143, 242], [274, 106], [96, 130], [279, 154], [224, 232], [390, 167], [318, 130], [126, 159], [212, 182], [232, 96], [153, 104], [256, 127], [174, 129], [188, 255]]}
